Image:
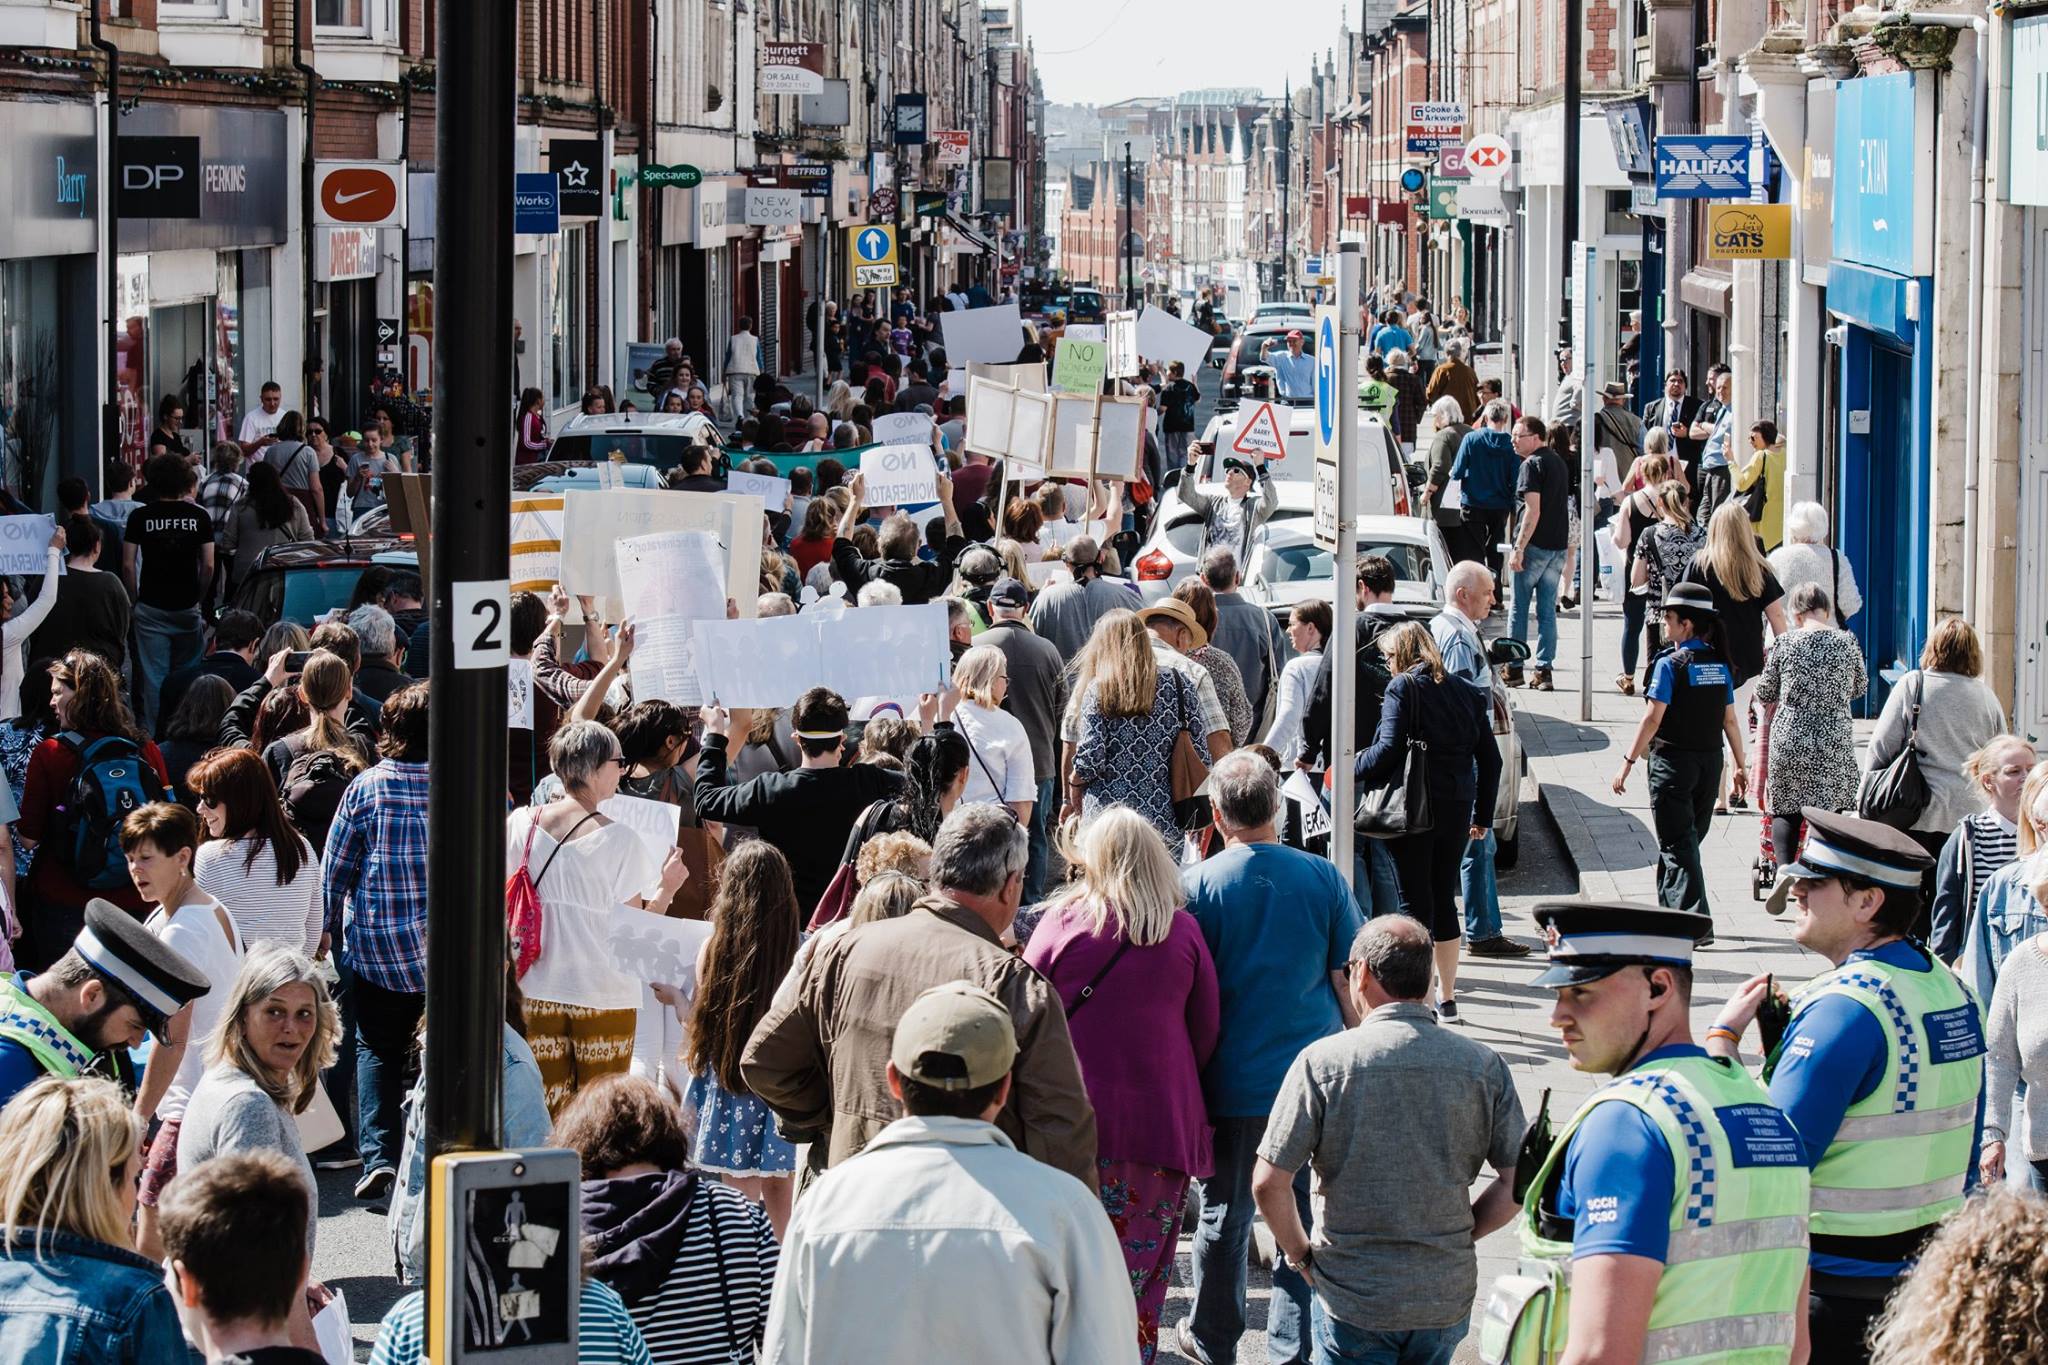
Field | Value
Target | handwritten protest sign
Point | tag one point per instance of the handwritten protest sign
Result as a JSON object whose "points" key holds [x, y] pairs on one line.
{"points": [[899, 476], [903, 429], [772, 491], [668, 581], [25, 543]]}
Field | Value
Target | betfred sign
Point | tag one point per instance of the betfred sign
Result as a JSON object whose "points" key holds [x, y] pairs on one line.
{"points": [[358, 193]]}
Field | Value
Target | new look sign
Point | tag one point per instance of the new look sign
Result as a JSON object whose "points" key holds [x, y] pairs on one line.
{"points": [[1702, 166]]}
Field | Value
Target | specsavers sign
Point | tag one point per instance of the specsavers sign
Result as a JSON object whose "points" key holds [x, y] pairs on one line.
{"points": [[1749, 232]]}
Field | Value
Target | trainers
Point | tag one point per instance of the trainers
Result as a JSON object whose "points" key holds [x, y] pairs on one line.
{"points": [[1447, 1011], [376, 1183], [336, 1156], [1539, 681], [1497, 945]]}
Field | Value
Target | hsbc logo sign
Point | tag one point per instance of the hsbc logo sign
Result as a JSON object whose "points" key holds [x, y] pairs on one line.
{"points": [[359, 193], [1487, 158]]}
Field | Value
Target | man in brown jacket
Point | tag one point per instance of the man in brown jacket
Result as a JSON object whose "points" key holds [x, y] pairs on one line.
{"points": [[819, 1057], [1454, 376]]}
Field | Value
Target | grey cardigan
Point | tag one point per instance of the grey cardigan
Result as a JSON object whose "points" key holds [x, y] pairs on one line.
{"points": [[1957, 716]]}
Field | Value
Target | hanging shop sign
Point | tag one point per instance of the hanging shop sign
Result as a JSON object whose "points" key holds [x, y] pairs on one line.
{"points": [[344, 253], [792, 68], [1702, 166], [998, 185], [2027, 178], [53, 177], [578, 164], [536, 204], [359, 193], [1749, 232], [202, 177], [1434, 125]]}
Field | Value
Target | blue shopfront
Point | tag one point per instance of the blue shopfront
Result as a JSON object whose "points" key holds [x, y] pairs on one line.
{"points": [[1881, 287]]}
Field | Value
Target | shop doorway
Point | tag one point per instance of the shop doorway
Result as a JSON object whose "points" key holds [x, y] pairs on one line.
{"points": [[1883, 507]]}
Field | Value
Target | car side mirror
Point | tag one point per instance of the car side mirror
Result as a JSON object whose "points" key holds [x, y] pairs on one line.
{"points": [[1507, 650]]}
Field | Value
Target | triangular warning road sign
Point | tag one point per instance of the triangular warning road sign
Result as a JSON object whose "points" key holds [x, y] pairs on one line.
{"points": [[1262, 435]]}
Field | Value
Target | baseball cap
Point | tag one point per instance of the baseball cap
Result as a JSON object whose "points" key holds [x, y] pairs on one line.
{"points": [[1294, 334], [954, 1037], [1008, 592]]}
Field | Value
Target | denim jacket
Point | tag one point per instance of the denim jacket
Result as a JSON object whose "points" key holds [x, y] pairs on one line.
{"points": [[2007, 916], [523, 1113], [86, 1303]]}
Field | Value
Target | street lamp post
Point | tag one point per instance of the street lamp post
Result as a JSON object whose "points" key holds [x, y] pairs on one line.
{"points": [[1130, 285]]}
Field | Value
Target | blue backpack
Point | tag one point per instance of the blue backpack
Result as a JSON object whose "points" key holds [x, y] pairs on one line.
{"points": [[113, 779]]}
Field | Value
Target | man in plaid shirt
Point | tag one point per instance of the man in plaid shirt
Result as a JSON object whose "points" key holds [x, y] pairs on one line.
{"points": [[219, 492], [375, 886]]}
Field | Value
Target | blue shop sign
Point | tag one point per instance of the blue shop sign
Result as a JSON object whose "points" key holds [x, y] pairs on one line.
{"points": [[1703, 166], [1881, 218], [536, 202]]}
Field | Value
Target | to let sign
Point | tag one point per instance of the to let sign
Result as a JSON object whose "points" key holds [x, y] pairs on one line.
{"points": [[792, 68], [1435, 124]]}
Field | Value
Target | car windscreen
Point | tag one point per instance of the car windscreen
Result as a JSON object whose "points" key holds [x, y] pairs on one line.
{"points": [[663, 450], [1301, 563], [310, 593]]}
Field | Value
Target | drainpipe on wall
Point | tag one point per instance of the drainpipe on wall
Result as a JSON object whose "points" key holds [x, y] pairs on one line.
{"points": [[312, 79], [110, 209], [1980, 97]]}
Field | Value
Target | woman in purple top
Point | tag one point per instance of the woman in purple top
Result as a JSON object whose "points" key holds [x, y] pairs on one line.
{"points": [[1139, 988]]}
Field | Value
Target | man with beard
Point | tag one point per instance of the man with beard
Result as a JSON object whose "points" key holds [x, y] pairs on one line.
{"points": [[116, 984]]}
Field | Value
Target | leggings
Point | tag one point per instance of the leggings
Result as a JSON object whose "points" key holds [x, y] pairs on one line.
{"points": [[574, 1045], [1427, 866], [1785, 837]]}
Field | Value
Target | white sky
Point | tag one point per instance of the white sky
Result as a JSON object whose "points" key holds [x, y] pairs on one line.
{"points": [[1102, 51]]}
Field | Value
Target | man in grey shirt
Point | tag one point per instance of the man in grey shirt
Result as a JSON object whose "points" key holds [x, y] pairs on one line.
{"points": [[1066, 613], [1251, 635], [1397, 1116]]}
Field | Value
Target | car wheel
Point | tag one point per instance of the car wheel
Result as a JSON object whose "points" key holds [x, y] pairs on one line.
{"points": [[1507, 848]]}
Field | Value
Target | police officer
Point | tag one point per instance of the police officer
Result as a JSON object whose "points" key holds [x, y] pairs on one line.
{"points": [[1691, 708], [1668, 1220], [118, 983], [1881, 1069]]}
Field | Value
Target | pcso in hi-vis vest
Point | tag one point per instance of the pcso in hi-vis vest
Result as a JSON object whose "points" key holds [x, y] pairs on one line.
{"points": [[1690, 710], [1668, 1220], [118, 983], [1881, 1070]]}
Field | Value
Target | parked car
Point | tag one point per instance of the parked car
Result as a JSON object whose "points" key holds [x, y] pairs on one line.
{"points": [[1252, 349], [1086, 304], [1288, 568], [655, 438], [1283, 308], [303, 580]]}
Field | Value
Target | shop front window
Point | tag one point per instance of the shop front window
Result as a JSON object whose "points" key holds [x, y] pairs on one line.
{"points": [[252, 356], [566, 318], [30, 384], [131, 353], [225, 384], [419, 357]]}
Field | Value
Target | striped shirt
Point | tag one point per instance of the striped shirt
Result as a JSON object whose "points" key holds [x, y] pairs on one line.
{"points": [[288, 914], [1993, 844], [605, 1334], [713, 1307], [376, 872]]}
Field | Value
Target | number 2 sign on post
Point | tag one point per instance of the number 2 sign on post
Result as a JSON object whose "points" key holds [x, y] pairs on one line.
{"points": [[483, 636]]}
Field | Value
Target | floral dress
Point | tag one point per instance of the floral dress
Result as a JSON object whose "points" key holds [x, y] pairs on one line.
{"points": [[1813, 675], [18, 742], [734, 1134], [1668, 551], [1128, 760]]}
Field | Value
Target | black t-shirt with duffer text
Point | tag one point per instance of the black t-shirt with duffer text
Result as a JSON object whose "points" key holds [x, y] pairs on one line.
{"points": [[1545, 475], [168, 538]]}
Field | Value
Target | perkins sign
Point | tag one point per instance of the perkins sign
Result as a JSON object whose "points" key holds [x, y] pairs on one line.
{"points": [[1702, 166]]}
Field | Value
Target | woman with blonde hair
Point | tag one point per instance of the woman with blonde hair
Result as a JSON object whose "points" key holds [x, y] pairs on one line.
{"points": [[839, 399], [1975, 1294], [1001, 769], [1119, 730], [2009, 909], [73, 1286], [1139, 988], [277, 1033], [1426, 705], [1731, 566], [1981, 843]]}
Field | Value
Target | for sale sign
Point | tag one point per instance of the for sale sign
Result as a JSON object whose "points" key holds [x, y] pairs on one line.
{"points": [[954, 145], [792, 68]]}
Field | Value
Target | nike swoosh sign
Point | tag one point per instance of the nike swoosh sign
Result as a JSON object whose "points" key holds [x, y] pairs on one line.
{"points": [[351, 198]]}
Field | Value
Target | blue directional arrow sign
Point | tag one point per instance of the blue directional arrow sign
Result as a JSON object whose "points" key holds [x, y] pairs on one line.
{"points": [[1326, 384], [872, 254]]}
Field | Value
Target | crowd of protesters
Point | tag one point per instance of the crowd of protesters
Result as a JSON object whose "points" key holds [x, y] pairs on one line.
{"points": [[995, 993]]}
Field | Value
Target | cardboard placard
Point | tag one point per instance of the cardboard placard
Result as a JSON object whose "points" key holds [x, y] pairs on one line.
{"points": [[410, 501], [1030, 435], [1078, 366], [772, 491], [991, 407], [536, 541], [1164, 338], [902, 429], [991, 335], [1028, 377], [899, 476], [25, 544], [1120, 446], [867, 652], [595, 521]]}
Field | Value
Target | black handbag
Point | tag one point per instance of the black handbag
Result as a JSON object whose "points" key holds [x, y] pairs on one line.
{"points": [[1401, 805], [1897, 794]]}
